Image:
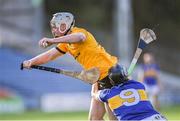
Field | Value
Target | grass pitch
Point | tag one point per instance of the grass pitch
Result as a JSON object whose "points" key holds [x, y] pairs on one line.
{"points": [[172, 113]]}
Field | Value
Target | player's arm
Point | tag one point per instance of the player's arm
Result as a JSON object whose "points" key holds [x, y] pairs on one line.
{"points": [[95, 95], [100, 95], [71, 38], [42, 58], [94, 91]]}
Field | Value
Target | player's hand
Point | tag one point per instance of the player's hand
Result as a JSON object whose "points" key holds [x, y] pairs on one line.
{"points": [[45, 42], [27, 64]]}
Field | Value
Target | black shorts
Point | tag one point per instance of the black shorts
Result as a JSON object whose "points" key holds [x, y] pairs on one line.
{"points": [[105, 83]]}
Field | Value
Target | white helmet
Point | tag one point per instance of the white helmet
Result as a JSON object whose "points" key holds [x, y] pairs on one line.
{"points": [[63, 18]]}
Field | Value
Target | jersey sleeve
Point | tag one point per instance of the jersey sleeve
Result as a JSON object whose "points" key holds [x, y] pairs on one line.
{"points": [[62, 48], [102, 95]]}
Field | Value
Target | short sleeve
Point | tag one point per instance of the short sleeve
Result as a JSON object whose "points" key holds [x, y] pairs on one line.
{"points": [[102, 95], [62, 48]]}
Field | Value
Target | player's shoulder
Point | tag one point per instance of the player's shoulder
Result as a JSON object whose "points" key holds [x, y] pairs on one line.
{"points": [[104, 91], [103, 94], [78, 29]]}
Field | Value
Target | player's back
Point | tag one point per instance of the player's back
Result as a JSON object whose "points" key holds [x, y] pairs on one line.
{"points": [[129, 101]]}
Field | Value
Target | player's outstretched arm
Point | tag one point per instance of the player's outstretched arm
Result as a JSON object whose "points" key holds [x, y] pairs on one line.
{"points": [[42, 58], [71, 38]]}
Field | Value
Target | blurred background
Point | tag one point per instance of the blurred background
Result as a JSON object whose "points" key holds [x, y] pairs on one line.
{"points": [[114, 23]]}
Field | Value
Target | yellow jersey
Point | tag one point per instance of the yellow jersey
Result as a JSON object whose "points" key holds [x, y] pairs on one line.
{"points": [[89, 53]]}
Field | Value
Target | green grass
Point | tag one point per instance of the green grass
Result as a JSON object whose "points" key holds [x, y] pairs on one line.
{"points": [[37, 115], [172, 113]]}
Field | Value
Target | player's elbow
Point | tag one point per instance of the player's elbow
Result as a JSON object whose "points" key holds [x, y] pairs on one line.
{"points": [[81, 36]]}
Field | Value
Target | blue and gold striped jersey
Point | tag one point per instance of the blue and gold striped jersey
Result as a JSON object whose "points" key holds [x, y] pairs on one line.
{"points": [[128, 101], [150, 74]]}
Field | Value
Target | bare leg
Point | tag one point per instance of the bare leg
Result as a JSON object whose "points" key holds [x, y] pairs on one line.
{"points": [[110, 114]]}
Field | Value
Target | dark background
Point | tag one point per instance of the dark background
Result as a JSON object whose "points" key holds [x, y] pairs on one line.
{"points": [[163, 16]]}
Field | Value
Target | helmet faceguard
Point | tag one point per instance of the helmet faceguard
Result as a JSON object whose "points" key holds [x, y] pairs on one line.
{"points": [[118, 75], [62, 22]]}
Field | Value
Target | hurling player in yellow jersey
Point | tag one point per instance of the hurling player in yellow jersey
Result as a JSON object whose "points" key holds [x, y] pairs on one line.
{"points": [[84, 48]]}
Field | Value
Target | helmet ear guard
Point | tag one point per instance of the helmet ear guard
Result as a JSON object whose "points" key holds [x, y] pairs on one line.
{"points": [[118, 75], [63, 18]]}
